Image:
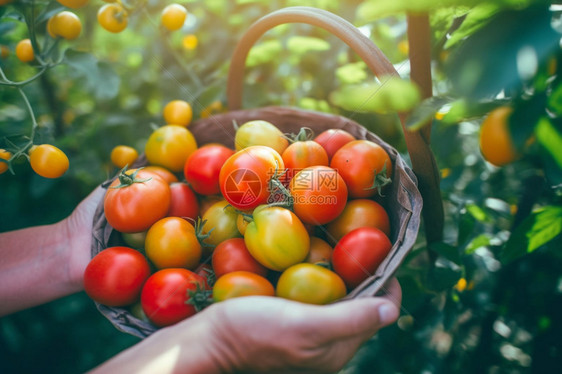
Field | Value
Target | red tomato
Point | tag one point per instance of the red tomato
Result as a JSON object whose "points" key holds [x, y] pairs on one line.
{"points": [[359, 213], [115, 276], [134, 202], [302, 154], [333, 139], [183, 202], [364, 166], [162, 172], [203, 167], [165, 295], [319, 194], [241, 283], [246, 175], [232, 255], [359, 253]]}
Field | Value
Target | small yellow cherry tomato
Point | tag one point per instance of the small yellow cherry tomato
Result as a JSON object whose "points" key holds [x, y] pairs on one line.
{"points": [[65, 24], [170, 146], [123, 155], [496, 143], [173, 16], [189, 42], [5, 155], [48, 161], [178, 112], [24, 51], [113, 18], [74, 4]]}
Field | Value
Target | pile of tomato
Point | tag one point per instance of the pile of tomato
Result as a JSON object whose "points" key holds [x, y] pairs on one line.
{"points": [[295, 216]]}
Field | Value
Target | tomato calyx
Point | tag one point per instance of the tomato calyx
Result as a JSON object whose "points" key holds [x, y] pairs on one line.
{"points": [[279, 195], [199, 233], [126, 180], [200, 298], [380, 180], [304, 134]]}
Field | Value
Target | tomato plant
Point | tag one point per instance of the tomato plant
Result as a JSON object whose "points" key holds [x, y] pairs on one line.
{"points": [[232, 255], [359, 253], [183, 202], [48, 161], [173, 17], [246, 176], [171, 242], [113, 17], [115, 276], [170, 146], [319, 194], [240, 284], [364, 166], [136, 200], [24, 51], [166, 294], [311, 284], [276, 237], [65, 24], [359, 213], [205, 180], [74, 4], [4, 155], [259, 132]]}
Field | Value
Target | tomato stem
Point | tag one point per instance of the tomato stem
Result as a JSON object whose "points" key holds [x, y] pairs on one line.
{"points": [[380, 180], [126, 180]]}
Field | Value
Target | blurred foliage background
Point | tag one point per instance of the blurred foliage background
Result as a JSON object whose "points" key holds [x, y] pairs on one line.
{"points": [[491, 301]]}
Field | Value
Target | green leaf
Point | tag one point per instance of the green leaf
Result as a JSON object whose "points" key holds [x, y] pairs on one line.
{"points": [[302, 44], [352, 73], [479, 241], [478, 213], [448, 251], [97, 77], [425, 112], [534, 232], [263, 53], [463, 110], [475, 19], [550, 139], [392, 95], [444, 275]]}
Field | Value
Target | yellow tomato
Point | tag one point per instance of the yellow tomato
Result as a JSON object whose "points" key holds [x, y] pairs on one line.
{"points": [[123, 155], [260, 132], [170, 146], [24, 51], [48, 161], [65, 24], [74, 4], [189, 42], [113, 17], [495, 139], [5, 155], [173, 16], [178, 112]]}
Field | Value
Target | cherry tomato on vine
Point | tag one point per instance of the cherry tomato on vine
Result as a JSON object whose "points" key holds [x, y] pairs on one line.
{"points": [[359, 213], [24, 51], [220, 223], [74, 4], [170, 146], [276, 237], [4, 155], [113, 17], [166, 295], [136, 200], [178, 112], [183, 202], [333, 139], [65, 24], [123, 155], [359, 253], [173, 17], [319, 194], [232, 255], [496, 143], [115, 276], [246, 176], [311, 284], [48, 161], [171, 243], [205, 180], [240, 284], [162, 172], [258, 132], [364, 166]]}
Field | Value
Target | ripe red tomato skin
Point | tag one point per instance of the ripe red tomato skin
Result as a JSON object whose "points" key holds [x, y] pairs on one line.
{"points": [[359, 213], [332, 140], [232, 255], [183, 202], [359, 253], [165, 293], [303, 154], [240, 284], [115, 276], [205, 180], [136, 207]]}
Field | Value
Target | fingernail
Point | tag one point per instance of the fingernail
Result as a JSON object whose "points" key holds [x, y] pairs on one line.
{"points": [[388, 313]]}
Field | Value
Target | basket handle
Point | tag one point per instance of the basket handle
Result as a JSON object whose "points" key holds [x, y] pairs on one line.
{"points": [[423, 161]]}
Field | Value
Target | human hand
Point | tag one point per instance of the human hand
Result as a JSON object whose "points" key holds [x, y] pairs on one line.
{"points": [[274, 335]]}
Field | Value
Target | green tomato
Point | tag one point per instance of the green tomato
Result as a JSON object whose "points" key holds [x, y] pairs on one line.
{"points": [[276, 238]]}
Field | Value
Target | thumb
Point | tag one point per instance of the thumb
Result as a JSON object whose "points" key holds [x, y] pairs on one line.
{"points": [[362, 316]]}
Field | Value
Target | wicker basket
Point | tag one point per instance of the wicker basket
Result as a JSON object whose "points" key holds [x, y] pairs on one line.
{"points": [[402, 201]]}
